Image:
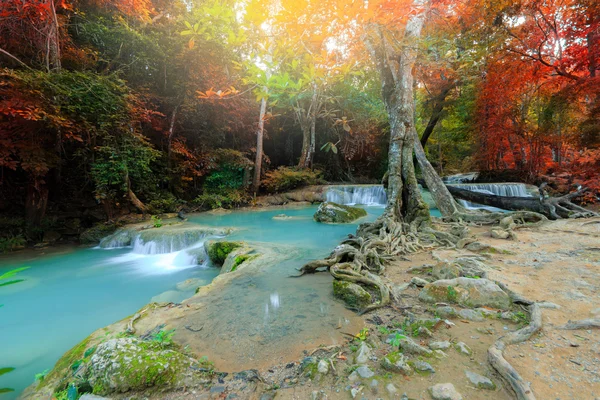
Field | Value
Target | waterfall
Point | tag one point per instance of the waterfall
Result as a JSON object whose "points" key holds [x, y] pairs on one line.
{"points": [[357, 194], [166, 241], [460, 178], [497, 189]]}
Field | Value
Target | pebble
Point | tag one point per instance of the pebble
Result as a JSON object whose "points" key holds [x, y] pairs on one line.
{"points": [[444, 391], [423, 366], [463, 348], [480, 381], [391, 388], [323, 367], [439, 345], [364, 372], [471, 315], [363, 354]]}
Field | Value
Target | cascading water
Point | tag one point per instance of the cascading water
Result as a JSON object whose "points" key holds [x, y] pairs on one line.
{"points": [[372, 195], [496, 189]]}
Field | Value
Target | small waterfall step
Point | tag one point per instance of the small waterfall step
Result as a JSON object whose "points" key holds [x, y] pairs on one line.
{"points": [[357, 194]]}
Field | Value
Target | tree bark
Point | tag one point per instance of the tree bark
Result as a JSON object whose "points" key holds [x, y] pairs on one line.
{"points": [[436, 114], [308, 123], [553, 208], [36, 202], [259, 146]]}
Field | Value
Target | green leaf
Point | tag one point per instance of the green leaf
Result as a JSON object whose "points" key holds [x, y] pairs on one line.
{"points": [[334, 148], [186, 32], [5, 370], [11, 282], [12, 273], [187, 24]]}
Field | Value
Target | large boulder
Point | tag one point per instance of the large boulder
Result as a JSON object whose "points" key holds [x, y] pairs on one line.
{"points": [[466, 292], [352, 294], [333, 213]]}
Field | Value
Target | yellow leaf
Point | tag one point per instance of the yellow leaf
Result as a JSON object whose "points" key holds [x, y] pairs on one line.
{"points": [[191, 43]]}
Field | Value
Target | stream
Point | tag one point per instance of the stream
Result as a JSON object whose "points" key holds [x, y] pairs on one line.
{"points": [[70, 292]]}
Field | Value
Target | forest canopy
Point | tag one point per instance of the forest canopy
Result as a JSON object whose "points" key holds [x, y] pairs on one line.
{"points": [[113, 106]]}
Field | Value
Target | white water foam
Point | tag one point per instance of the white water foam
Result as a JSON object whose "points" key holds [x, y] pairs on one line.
{"points": [[372, 195]]}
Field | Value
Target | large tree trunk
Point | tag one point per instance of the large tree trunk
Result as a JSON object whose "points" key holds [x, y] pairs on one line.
{"points": [[36, 202], [132, 196], [405, 202], [553, 208], [436, 114], [308, 123], [259, 146], [305, 153]]}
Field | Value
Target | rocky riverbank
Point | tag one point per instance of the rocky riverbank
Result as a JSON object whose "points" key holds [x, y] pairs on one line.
{"points": [[433, 342]]}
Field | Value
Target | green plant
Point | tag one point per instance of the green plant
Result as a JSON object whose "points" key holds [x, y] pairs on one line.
{"points": [[11, 242], [384, 330], [3, 277], [157, 222], [163, 338], [362, 335], [41, 375], [227, 199], [397, 339], [285, 178]]}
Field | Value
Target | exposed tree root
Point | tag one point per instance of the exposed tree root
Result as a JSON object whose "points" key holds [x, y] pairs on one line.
{"points": [[582, 324], [507, 371], [362, 258]]}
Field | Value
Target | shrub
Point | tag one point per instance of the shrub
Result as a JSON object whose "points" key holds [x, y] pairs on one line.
{"points": [[12, 242], [285, 178], [227, 199], [164, 203]]}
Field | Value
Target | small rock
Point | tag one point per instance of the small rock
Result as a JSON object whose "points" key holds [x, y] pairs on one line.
{"points": [[446, 270], [446, 312], [480, 381], [439, 354], [439, 345], [364, 372], [463, 348], [323, 367], [486, 312], [418, 282], [217, 389], [409, 346], [363, 354], [470, 315], [396, 362], [374, 385], [353, 377], [391, 389], [424, 332], [507, 223], [423, 366], [500, 234], [354, 392], [444, 391], [477, 247], [466, 292]]}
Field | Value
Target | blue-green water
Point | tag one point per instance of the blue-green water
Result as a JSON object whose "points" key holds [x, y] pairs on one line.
{"points": [[69, 294]]}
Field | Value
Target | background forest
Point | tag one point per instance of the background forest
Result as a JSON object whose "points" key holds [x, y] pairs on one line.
{"points": [[109, 107]]}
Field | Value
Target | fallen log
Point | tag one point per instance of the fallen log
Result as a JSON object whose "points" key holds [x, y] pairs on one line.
{"points": [[552, 207]]}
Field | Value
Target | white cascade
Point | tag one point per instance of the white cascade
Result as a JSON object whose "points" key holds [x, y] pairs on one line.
{"points": [[357, 194], [497, 189]]}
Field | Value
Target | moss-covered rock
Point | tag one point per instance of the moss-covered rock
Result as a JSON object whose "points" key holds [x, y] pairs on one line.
{"points": [[467, 292], [219, 250], [352, 294], [97, 232], [333, 213]]}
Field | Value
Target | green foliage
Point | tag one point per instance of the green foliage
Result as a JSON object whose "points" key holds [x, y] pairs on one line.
{"points": [[163, 338], [164, 202], [286, 178], [239, 260], [11, 243], [157, 222], [229, 199], [396, 340], [218, 251]]}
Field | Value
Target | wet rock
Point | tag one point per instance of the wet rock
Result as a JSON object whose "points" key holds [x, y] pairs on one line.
{"points": [[444, 391], [470, 315], [480, 381], [423, 366], [439, 345], [219, 250], [89, 396], [409, 346], [391, 389], [351, 293], [329, 212], [461, 347], [323, 367], [51, 236], [466, 292], [396, 362], [364, 372], [446, 270]]}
